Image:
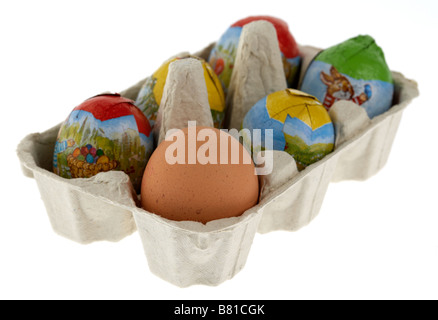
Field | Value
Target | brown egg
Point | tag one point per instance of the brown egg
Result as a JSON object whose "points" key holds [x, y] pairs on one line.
{"points": [[200, 174]]}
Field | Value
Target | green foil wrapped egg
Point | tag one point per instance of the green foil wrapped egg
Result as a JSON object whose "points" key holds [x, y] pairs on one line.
{"points": [[353, 70]]}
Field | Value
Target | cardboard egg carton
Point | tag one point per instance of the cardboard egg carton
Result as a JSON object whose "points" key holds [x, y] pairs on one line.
{"points": [[184, 253]]}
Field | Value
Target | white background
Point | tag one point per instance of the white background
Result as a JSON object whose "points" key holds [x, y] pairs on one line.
{"points": [[376, 239]]}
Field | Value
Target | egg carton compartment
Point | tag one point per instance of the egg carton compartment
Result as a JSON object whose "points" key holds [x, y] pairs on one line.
{"points": [[84, 210], [184, 253]]}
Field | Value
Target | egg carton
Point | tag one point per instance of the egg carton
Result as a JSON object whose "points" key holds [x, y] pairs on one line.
{"points": [[185, 253]]}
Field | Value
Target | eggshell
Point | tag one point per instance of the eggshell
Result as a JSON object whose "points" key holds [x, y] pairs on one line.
{"points": [[106, 132], [223, 54], [301, 126], [354, 70], [195, 190], [149, 96]]}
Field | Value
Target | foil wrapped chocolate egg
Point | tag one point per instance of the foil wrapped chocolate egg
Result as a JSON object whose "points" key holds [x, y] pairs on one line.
{"points": [[223, 54], [149, 96], [353, 70], [296, 122], [106, 132]]}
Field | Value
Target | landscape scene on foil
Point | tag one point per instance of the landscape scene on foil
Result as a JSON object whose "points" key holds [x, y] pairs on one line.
{"points": [[223, 55], [306, 144], [87, 146]]}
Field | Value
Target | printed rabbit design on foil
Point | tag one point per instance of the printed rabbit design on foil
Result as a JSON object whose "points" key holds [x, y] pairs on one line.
{"points": [[340, 88]]}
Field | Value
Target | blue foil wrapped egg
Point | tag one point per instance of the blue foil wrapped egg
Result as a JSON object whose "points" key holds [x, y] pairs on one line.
{"points": [[223, 54], [298, 124]]}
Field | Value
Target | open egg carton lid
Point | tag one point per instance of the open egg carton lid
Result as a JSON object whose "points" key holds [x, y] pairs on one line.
{"points": [[184, 253]]}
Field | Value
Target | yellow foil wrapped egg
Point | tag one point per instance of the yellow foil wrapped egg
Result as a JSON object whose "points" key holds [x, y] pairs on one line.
{"points": [[300, 126], [149, 96]]}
